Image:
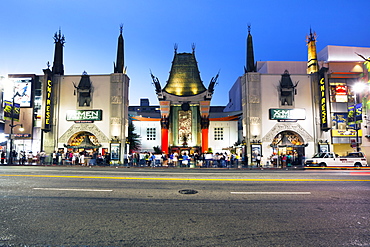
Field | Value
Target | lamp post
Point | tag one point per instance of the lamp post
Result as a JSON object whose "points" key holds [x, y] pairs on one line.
{"points": [[12, 125], [357, 88]]}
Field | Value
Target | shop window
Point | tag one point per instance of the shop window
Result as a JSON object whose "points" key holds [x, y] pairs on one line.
{"points": [[338, 93], [219, 134], [151, 134], [340, 90], [339, 121]]}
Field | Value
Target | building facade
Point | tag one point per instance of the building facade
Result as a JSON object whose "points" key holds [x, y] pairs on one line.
{"points": [[76, 113], [185, 104], [222, 137], [296, 109], [345, 68]]}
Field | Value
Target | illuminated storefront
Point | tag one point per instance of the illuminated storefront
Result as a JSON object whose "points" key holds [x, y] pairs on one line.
{"points": [[344, 70]]}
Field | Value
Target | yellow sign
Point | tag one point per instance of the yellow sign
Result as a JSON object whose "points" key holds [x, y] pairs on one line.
{"points": [[345, 133], [48, 105], [324, 116]]}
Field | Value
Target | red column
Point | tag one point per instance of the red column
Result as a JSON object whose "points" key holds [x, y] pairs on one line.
{"points": [[164, 140], [204, 140]]}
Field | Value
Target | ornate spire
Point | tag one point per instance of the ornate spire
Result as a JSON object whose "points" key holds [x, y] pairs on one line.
{"points": [[59, 40], [251, 67], [120, 62], [312, 64]]}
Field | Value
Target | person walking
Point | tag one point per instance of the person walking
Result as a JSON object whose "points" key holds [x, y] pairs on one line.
{"points": [[82, 158], [164, 159], [258, 160], [3, 157], [152, 159], [175, 159], [185, 159], [283, 161], [54, 156], [30, 158], [42, 157]]}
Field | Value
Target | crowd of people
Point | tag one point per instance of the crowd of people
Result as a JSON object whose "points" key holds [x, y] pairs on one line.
{"points": [[185, 159], [56, 158], [149, 159]]}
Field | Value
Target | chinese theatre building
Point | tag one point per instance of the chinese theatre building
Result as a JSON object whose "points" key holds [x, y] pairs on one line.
{"points": [[184, 103]]}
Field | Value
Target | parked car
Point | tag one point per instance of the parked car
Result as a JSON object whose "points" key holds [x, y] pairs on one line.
{"points": [[330, 159]]}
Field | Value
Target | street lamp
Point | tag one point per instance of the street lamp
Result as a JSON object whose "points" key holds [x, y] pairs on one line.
{"points": [[357, 88]]}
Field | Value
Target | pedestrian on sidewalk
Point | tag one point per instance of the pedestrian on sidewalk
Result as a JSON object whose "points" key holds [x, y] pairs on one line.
{"points": [[258, 160]]}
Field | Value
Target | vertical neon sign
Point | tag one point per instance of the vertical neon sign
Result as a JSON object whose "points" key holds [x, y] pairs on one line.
{"points": [[48, 104], [323, 102]]}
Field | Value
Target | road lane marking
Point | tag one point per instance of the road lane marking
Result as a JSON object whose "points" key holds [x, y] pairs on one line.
{"points": [[64, 189], [194, 179], [271, 193]]}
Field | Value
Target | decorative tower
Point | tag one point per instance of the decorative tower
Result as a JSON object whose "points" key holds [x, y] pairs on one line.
{"points": [[51, 90], [120, 62], [185, 104], [58, 67], [251, 93], [312, 65], [251, 67], [119, 88]]}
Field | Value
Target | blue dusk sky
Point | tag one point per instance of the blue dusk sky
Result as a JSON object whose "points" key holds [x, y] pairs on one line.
{"points": [[151, 28]]}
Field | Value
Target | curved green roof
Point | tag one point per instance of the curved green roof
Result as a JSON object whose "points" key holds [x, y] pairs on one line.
{"points": [[184, 79]]}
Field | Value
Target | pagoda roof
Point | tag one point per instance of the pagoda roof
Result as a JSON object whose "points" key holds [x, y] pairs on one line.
{"points": [[184, 79]]}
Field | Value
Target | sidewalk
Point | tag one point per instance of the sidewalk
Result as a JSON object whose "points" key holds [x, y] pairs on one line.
{"points": [[253, 167]]}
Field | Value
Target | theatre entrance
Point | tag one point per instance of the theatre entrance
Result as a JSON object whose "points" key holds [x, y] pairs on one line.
{"points": [[288, 149], [84, 142]]}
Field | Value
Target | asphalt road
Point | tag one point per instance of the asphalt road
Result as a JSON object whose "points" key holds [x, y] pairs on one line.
{"points": [[82, 206]]}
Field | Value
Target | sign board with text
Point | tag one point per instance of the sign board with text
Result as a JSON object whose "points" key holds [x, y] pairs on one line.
{"points": [[287, 114], [84, 115]]}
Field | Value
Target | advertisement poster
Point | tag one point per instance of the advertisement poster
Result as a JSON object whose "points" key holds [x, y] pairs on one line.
{"points": [[20, 89], [115, 151], [8, 105], [256, 151], [355, 114]]}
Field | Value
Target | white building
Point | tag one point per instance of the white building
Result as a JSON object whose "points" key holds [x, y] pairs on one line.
{"points": [[76, 113], [300, 108]]}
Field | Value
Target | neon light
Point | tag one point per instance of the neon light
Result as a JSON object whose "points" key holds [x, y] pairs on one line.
{"points": [[48, 105]]}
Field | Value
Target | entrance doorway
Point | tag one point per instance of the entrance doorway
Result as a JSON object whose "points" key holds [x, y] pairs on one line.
{"points": [[84, 143], [288, 149]]}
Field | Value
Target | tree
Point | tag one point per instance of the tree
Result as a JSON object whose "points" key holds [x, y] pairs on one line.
{"points": [[133, 138], [157, 150]]}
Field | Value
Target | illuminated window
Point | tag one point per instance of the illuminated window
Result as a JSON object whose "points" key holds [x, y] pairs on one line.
{"points": [[219, 134], [150, 134], [339, 120], [340, 90]]}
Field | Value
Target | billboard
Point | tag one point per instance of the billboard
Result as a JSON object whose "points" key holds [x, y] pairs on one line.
{"points": [[21, 91]]}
